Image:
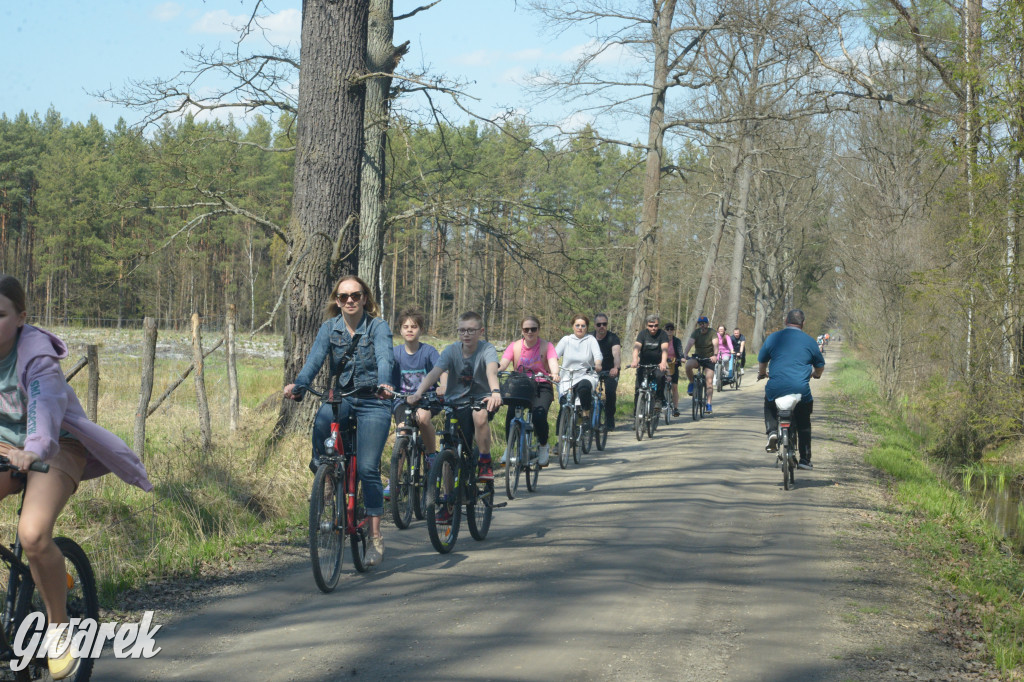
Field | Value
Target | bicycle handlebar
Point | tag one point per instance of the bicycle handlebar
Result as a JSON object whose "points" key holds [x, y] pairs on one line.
{"points": [[38, 465], [332, 396]]}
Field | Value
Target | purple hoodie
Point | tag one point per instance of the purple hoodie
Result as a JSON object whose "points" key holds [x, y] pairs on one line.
{"points": [[53, 405]]}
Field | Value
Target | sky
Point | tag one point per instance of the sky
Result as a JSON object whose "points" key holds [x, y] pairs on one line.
{"points": [[58, 51]]}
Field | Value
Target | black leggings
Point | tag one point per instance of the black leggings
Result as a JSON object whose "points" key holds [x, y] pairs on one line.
{"points": [[801, 420], [539, 409]]}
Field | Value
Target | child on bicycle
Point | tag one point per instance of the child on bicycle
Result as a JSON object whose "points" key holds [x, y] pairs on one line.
{"points": [[41, 419], [472, 366], [413, 361], [361, 356], [537, 357]]}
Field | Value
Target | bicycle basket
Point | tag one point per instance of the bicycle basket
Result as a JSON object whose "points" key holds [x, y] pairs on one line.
{"points": [[518, 390]]}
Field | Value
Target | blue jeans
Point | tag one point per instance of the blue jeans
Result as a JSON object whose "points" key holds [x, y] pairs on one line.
{"points": [[374, 423]]}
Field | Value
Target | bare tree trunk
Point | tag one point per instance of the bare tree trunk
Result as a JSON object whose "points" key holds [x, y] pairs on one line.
{"points": [[200, 379], [328, 158], [229, 339], [93, 399], [146, 391], [640, 286], [732, 311], [381, 57]]}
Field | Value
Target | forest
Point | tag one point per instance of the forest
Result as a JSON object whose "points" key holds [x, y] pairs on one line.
{"points": [[861, 161]]}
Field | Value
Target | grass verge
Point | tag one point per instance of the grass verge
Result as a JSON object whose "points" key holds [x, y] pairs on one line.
{"points": [[949, 536]]}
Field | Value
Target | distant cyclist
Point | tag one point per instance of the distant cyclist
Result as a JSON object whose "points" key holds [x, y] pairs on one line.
{"points": [[726, 350], [675, 361], [791, 358], [704, 341], [739, 343], [651, 348], [579, 351], [537, 357], [611, 360]]}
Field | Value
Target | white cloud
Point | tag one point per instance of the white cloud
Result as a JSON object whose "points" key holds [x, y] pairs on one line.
{"points": [[610, 54], [515, 75], [166, 11], [219, 22], [477, 58], [576, 121], [283, 27], [530, 55]]}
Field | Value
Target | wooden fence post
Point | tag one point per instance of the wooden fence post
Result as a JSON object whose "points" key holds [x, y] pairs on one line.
{"points": [[204, 407], [229, 336], [92, 353], [146, 392]]}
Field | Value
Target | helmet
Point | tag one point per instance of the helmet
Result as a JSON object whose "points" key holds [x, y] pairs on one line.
{"points": [[703, 318]]}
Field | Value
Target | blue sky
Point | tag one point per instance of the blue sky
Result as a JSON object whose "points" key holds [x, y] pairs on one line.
{"points": [[60, 49]]}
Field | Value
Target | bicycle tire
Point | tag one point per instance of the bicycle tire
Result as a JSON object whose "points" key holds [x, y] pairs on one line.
{"points": [[640, 416], [601, 437], [325, 538], [401, 483], [513, 459], [702, 404], [652, 419], [359, 539], [587, 437], [532, 470], [82, 602], [668, 404], [563, 435], [718, 376], [737, 376], [419, 483], [480, 509], [443, 510], [784, 461]]}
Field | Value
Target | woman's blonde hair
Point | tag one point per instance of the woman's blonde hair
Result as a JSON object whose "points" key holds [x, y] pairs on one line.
{"points": [[369, 302]]}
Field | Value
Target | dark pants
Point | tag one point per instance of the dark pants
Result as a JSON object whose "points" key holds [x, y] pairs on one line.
{"points": [[374, 419], [611, 385], [743, 358], [801, 420], [659, 384], [584, 391], [539, 411], [467, 429]]}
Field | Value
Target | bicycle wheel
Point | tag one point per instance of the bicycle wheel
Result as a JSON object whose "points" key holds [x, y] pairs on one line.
{"points": [[419, 482], [718, 376], [82, 602], [443, 510], [480, 508], [736, 376], [652, 419], [641, 415], [564, 436], [325, 538], [668, 404], [514, 459], [402, 502], [784, 462], [532, 471], [601, 437], [359, 539]]}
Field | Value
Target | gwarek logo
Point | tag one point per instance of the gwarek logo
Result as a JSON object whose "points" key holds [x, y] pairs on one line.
{"points": [[35, 639]]}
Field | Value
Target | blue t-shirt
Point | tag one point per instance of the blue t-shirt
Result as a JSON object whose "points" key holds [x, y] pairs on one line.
{"points": [[410, 369], [791, 356]]}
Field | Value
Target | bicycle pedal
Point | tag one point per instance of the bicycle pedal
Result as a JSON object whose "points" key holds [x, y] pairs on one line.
{"points": [[499, 505]]}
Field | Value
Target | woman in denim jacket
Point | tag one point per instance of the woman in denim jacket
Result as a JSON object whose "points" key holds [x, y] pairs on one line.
{"points": [[353, 314]]}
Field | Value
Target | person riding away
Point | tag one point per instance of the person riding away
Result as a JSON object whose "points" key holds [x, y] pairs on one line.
{"points": [[472, 367], [726, 350], [579, 351], [651, 348], [791, 358], [739, 344], [675, 354], [611, 359], [536, 357], [413, 361], [41, 419], [704, 341], [358, 344]]}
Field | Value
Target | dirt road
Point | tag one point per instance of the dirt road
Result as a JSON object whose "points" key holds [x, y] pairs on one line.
{"points": [[678, 558]]}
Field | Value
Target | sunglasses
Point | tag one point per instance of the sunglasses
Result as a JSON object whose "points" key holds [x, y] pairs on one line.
{"points": [[600, 324], [530, 330], [670, 329], [356, 296]]}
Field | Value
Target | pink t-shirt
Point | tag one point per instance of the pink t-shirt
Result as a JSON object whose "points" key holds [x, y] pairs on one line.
{"points": [[725, 347], [530, 359]]}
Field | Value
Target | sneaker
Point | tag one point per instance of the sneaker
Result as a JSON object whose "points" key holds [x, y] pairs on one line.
{"points": [[442, 516], [742, 372], [485, 473], [675, 412], [773, 442], [543, 455], [504, 459], [707, 409], [689, 388], [805, 464], [375, 550], [65, 664]]}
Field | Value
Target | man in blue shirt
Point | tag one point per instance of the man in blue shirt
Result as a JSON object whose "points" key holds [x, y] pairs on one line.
{"points": [[793, 358]]}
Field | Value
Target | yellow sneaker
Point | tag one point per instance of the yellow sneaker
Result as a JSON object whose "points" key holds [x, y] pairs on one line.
{"points": [[65, 664]]}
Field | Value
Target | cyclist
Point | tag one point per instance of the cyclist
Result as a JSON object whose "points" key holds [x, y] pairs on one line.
{"points": [[413, 361], [793, 359], [675, 354], [41, 419], [821, 343], [472, 367], [579, 351], [357, 342], [651, 348], [739, 344], [611, 359], [726, 350], [705, 345], [537, 357]]}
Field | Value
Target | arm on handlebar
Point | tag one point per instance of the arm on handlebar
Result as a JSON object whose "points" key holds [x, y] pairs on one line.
{"points": [[38, 465]]}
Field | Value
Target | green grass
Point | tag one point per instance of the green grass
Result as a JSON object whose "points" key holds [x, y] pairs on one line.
{"points": [[947, 534]]}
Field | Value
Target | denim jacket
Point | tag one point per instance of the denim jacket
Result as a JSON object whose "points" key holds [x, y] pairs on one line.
{"points": [[371, 363]]}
